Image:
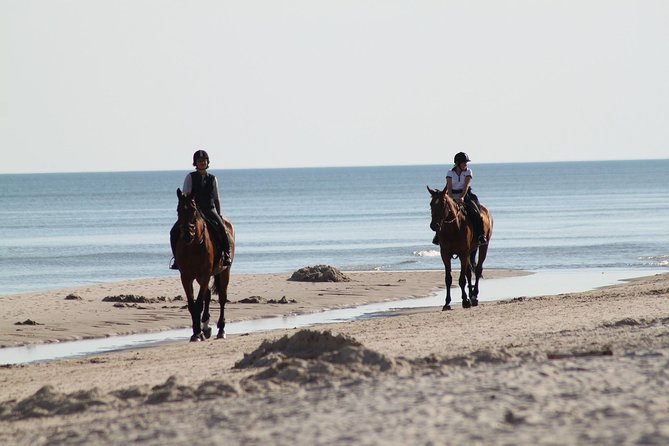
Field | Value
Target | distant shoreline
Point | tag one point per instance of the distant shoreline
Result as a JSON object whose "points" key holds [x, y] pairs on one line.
{"points": [[213, 169]]}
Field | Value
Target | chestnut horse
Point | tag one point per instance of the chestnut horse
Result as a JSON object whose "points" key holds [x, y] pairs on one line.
{"points": [[456, 239], [195, 253]]}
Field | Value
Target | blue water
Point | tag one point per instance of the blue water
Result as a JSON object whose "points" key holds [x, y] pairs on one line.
{"points": [[65, 230]]}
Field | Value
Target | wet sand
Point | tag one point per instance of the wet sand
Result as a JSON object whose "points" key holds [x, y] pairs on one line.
{"points": [[576, 368], [151, 305]]}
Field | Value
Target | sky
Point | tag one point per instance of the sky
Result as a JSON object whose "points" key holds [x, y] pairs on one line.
{"points": [[134, 85]]}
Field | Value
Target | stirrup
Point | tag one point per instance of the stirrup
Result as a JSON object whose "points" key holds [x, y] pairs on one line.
{"points": [[174, 265], [483, 240]]}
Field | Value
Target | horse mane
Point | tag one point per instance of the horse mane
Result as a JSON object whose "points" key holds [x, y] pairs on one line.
{"points": [[450, 206], [190, 197]]}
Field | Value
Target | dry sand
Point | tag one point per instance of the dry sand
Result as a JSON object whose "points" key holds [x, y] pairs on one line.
{"points": [[582, 368]]}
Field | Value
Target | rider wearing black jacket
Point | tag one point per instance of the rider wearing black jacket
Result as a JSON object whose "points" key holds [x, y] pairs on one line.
{"points": [[204, 187]]}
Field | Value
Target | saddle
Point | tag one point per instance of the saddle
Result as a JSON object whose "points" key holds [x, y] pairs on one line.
{"points": [[215, 236]]}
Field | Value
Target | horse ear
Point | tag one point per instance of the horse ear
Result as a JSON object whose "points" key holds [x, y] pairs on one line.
{"points": [[179, 194], [435, 192]]}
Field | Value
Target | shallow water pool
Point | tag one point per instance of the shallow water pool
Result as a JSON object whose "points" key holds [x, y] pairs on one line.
{"points": [[539, 283]]}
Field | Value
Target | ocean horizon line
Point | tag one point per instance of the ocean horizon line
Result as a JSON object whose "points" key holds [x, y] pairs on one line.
{"points": [[363, 166]]}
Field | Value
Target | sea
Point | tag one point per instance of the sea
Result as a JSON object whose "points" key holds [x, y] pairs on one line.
{"points": [[61, 230]]}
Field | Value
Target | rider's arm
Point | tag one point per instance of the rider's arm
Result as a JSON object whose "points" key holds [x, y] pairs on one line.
{"points": [[449, 186], [465, 188], [216, 197], [188, 185]]}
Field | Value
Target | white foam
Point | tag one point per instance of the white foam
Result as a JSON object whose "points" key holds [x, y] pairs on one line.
{"points": [[661, 260], [429, 253]]}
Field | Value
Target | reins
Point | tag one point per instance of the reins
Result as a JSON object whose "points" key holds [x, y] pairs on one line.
{"points": [[457, 209], [443, 220], [452, 220], [192, 227]]}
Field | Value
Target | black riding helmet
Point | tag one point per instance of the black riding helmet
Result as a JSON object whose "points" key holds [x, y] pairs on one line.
{"points": [[461, 157], [200, 154]]}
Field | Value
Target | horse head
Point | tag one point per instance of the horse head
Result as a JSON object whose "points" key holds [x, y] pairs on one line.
{"points": [[442, 207], [187, 215], [436, 207]]}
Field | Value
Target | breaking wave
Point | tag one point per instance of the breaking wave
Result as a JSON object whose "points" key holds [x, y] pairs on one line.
{"points": [[428, 253], [662, 260]]}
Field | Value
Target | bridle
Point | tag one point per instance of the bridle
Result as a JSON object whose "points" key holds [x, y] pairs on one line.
{"points": [[445, 214], [189, 227]]}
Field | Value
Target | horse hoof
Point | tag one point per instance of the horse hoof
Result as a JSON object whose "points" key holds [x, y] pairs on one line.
{"points": [[475, 302], [220, 335], [466, 304], [446, 307], [197, 337], [207, 332]]}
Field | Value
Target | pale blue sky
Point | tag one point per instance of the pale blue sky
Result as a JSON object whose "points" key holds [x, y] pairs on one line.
{"points": [[89, 85]]}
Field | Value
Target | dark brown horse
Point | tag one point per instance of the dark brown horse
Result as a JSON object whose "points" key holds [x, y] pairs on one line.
{"points": [[195, 253], [456, 239]]}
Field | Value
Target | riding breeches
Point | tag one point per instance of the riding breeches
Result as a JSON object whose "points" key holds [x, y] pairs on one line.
{"points": [[215, 223], [473, 209]]}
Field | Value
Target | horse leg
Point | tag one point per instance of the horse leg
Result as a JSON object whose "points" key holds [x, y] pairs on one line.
{"points": [[449, 281], [222, 281], [478, 271], [206, 329], [195, 308], [192, 306], [464, 280], [473, 290], [482, 250]]}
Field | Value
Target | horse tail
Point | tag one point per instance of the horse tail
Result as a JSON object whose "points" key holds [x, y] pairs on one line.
{"points": [[218, 285]]}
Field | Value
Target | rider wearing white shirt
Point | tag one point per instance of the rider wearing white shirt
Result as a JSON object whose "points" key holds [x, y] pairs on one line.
{"points": [[459, 182], [458, 187]]}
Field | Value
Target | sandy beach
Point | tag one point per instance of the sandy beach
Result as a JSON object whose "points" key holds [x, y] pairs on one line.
{"points": [[151, 305], [577, 368]]}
